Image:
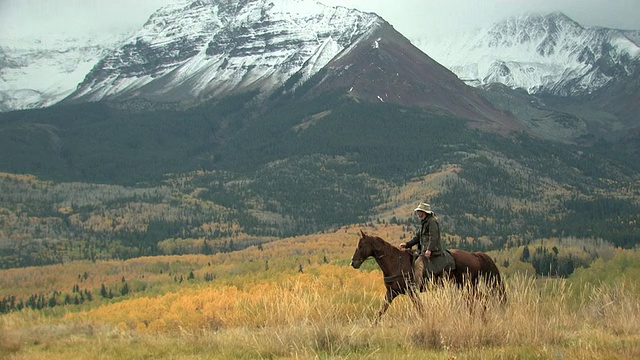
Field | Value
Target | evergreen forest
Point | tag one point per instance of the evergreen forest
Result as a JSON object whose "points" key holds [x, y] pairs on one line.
{"points": [[102, 181]]}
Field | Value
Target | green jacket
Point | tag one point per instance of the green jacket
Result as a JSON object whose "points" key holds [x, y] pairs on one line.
{"points": [[429, 236]]}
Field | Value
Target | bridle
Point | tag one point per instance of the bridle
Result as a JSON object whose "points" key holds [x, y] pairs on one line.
{"points": [[361, 260], [399, 275]]}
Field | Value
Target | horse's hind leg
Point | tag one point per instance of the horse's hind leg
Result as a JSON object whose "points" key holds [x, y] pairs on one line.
{"points": [[381, 312]]}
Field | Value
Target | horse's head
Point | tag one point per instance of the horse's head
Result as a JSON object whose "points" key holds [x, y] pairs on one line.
{"points": [[363, 251]]}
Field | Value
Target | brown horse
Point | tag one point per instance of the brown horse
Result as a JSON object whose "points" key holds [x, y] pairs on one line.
{"points": [[397, 267]]}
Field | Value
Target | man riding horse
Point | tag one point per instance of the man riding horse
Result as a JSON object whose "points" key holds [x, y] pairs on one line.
{"points": [[431, 259]]}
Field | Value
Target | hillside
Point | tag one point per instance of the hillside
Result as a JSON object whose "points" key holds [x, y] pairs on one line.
{"points": [[280, 258], [226, 176]]}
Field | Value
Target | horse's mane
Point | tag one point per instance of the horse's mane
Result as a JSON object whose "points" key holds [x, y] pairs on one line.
{"points": [[385, 244]]}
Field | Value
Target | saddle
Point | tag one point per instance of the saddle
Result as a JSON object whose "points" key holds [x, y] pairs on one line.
{"points": [[436, 265]]}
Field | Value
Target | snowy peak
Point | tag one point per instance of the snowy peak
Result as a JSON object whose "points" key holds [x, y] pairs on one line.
{"points": [[539, 53], [40, 72], [543, 32], [199, 49]]}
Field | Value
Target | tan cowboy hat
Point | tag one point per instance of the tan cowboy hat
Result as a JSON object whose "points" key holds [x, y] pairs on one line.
{"points": [[424, 207]]}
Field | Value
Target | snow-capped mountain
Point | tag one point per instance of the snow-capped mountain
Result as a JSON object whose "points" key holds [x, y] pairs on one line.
{"points": [[193, 50], [200, 49], [633, 35], [41, 72], [539, 53]]}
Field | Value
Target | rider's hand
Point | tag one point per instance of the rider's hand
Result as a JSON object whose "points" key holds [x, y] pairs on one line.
{"points": [[403, 245], [427, 253]]}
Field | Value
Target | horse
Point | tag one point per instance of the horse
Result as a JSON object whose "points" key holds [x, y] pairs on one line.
{"points": [[397, 267]]}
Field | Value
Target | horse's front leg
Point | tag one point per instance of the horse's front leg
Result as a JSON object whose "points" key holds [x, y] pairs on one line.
{"points": [[388, 298]]}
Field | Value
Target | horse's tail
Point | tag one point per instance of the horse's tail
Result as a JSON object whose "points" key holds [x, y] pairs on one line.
{"points": [[492, 276]]}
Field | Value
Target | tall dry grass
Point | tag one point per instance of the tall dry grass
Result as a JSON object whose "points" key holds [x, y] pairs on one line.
{"points": [[328, 313]]}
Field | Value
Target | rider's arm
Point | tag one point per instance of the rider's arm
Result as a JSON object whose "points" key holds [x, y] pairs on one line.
{"points": [[412, 242]]}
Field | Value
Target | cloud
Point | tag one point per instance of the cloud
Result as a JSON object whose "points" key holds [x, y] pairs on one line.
{"points": [[419, 17], [410, 17], [33, 17]]}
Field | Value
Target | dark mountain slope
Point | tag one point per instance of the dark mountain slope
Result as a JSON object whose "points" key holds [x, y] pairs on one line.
{"points": [[622, 98], [386, 67]]}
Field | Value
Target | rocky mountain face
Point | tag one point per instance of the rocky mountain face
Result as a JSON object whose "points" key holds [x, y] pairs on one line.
{"points": [[192, 50]]}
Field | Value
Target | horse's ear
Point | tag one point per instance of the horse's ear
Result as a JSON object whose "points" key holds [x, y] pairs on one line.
{"points": [[362, 232]]}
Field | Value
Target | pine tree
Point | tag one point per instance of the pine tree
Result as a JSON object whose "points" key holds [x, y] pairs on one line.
{"points": [[124, 290], [525, 254]]}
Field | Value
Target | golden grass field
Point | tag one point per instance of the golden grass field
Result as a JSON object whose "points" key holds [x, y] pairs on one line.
{"points": [[300, 299]]}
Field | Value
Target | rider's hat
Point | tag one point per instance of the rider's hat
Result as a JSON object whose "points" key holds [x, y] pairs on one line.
{"points": [[424, 207]]}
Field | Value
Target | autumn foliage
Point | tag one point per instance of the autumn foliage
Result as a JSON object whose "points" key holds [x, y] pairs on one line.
{"points": [[298, 297]]}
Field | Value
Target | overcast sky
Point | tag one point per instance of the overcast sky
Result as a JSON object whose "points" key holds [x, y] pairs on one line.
{"points": [[410, 17]]}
